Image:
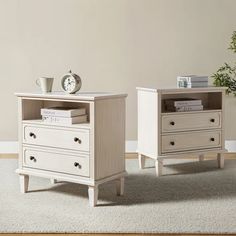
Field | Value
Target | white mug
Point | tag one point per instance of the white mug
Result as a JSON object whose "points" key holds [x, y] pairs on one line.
{"points": [[45, 84]]}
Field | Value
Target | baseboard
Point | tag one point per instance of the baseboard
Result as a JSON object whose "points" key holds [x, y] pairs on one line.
{"points": [[8, 147], [230, 145], [11, 147]]}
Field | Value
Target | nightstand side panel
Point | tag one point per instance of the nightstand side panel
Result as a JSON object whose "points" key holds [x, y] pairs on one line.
{"points": [[109, 137], [148, 113]]}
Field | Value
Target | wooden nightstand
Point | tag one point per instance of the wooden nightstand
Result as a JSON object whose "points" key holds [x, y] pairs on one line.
{"points": [[91, 153], [163, 134]]}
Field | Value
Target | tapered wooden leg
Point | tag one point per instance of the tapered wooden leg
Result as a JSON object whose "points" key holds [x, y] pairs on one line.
{"points": [[159, 167], [24, 183], [141, 161], [120, 183], [53, 181], [201, 157], [93, 195], [221, 160]]}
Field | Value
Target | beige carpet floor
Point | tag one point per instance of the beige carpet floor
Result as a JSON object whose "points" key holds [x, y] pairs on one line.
{"points": [[192, 197]]}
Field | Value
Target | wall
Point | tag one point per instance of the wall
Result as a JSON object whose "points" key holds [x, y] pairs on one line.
{"points": [[114, 45]]}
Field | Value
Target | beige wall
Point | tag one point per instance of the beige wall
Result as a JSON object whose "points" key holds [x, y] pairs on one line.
{"points": [[114, 45]]}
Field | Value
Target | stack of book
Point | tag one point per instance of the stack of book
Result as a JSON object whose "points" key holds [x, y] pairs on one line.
{"points": [[192, 81], [64, 115], [183, 104]]}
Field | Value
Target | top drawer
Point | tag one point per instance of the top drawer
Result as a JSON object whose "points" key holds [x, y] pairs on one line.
{"points": [[56, 137], [192, 121]]}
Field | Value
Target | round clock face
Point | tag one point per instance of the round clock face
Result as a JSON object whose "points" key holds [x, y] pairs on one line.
{"points": [[69, 84]]}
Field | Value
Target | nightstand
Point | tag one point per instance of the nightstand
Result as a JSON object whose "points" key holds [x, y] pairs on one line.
{"points": [[164, 134], [90, 153]]}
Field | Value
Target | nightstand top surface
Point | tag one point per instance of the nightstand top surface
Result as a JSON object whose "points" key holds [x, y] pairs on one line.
{"points": [[86, 96], [182, 90]]}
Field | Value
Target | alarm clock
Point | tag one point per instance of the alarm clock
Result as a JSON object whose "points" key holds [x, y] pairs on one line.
{"points": [[71, 83]]}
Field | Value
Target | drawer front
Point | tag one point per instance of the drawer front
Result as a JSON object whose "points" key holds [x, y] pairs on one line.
{"points": [[55, 137], [52, 161], [193, 121], [190, 141]]}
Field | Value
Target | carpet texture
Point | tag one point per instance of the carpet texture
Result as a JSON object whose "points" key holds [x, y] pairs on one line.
{"points": [[192, 197]]}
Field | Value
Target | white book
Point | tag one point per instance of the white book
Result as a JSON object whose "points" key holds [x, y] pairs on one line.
{"points": [[183, 102], [193, 78], [185, 81], [197, 85], [63, 111], [193, 85], [189, 108], [64, 120]]}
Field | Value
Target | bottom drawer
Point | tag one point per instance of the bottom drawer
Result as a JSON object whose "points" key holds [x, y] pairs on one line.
{"points": [[74, 164], [190, 141]]}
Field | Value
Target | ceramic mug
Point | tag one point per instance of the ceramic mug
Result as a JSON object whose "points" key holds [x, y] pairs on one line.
{"points": [[45, 83]]}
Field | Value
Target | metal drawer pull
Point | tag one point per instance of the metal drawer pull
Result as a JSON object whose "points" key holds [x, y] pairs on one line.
{"points": [[172, 143], [172, 123], [32, 158], [32, 135], [212, 139], [212, 120], [76, 164], [77, 140]]}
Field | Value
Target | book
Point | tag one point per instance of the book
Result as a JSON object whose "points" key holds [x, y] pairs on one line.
{"points": [[191, 81], [189, 108], [65, 120], [63, 111], [185, 108], [182, 102], [193, 78], [193, 85]]}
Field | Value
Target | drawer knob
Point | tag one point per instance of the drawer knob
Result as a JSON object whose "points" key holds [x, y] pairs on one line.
{"points": [[77, 140], [172, 143], [172, 123], [32, 158], [76, 164], [32, 135], [212, 120], [212, 139]]}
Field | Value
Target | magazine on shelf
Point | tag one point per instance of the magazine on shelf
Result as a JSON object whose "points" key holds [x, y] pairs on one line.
{"points": [[188, 108], [65, 120], [183, 102], [63, 111]]}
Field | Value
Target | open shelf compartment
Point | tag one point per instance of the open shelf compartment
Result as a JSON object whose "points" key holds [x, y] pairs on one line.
{"points": [[210, 100], [31, 110]]}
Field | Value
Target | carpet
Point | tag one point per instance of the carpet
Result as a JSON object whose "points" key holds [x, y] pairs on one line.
{"points": [[192, 197]]}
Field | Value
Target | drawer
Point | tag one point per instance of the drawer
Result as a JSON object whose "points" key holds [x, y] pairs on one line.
{"points": [[56, 137], [192, 121], [52, 161], [190, 141]]}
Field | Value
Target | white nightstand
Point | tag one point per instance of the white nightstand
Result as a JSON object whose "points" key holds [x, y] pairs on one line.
{"points": [[163, 134], [91, 153]]}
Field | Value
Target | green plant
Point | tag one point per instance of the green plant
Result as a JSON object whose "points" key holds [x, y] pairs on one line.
{"points": [[232, 45], [226, 74]]}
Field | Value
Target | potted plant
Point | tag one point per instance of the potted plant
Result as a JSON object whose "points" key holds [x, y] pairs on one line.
{"points": [[226, 74]]}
